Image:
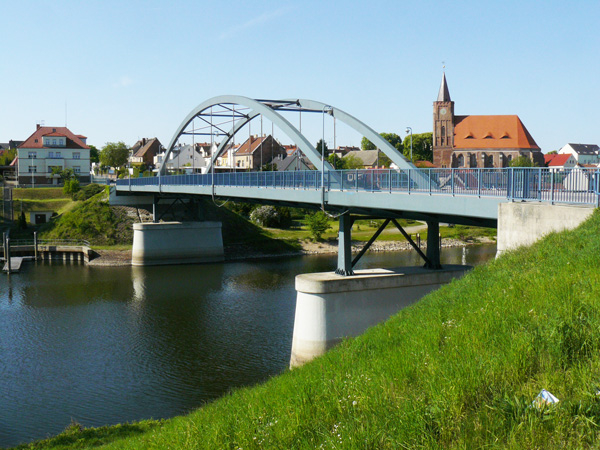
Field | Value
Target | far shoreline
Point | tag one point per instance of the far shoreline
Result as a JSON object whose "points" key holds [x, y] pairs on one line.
{"points": [[122, 258]]}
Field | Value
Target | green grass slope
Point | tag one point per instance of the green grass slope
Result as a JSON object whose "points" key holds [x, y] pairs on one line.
{"points": [[458, 370], [92, 220]]}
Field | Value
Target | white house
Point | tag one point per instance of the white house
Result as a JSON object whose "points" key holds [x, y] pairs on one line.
{"points": [[558, 162], [50, 148], [583, 153]]}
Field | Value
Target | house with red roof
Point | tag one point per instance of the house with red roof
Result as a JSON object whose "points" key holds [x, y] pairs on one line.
{"points": [[558, 162], [51, 149], [257, 151], [478, 141]]}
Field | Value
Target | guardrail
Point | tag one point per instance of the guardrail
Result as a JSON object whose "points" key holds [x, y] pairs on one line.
{"points": [[578, 185], [50, 242]]}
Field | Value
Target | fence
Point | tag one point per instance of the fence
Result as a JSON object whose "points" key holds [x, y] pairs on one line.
{"points": [[542, 184]]}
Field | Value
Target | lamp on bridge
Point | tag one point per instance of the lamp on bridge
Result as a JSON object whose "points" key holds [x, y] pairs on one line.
{"points": [[407, 130]]}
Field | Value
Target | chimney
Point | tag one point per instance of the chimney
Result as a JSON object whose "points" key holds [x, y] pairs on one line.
{"points": [[37, 125], [143, 141]]}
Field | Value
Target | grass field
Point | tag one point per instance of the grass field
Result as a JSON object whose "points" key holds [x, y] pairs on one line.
{"points": [[458, 370]]}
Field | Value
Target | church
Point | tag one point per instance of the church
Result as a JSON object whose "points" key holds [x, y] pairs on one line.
{"points": [[478, 141]]}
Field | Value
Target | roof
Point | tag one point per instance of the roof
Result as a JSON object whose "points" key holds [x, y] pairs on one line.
{"points": [[585, 149], [499, 132], [251, 144], [36, 141], [555, 160], [288, 161], [444, 93], [143, 146], [368, 157], [424, 164]]}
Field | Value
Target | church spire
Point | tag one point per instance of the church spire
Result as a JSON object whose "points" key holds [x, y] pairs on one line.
{"points": [[444, 94]]}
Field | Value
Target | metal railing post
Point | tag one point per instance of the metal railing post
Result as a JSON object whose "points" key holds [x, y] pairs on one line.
{"points": [[429, 173], [540, 184], [408, 181], [35, 245], [452, 180]]}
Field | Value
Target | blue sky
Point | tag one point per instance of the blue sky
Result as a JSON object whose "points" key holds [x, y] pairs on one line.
{"points": [[135, 69]]}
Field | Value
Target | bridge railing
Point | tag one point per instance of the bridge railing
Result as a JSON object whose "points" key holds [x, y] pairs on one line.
{"points": [[577, 185]]}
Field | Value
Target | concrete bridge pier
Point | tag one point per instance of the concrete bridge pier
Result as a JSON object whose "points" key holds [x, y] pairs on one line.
{"points": [[332, 306], [176, 243]]}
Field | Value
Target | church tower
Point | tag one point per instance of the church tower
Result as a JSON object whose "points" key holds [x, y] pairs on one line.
{"points": [[443, 127]]}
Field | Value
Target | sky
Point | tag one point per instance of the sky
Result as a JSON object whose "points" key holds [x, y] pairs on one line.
{"points": [[120, 71]]}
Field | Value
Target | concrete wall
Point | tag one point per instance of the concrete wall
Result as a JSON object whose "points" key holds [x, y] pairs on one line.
{"points": [[176, 243], [523, 223], [330, 307]]}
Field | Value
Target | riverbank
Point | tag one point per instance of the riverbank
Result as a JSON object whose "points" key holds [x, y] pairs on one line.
{"points": [[460, 369], [109, 257]]}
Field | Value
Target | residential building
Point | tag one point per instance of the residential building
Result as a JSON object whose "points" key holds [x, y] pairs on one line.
{"points": [[51, 149], [187, 158], [297, 161], [369, 158], [583, 153], [144, 151], [342, 151], [557, 162], [478, 141], [257, 151]]}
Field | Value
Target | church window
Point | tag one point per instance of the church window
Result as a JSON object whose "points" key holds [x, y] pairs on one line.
{"points": [[443, 134], [461, 161]]}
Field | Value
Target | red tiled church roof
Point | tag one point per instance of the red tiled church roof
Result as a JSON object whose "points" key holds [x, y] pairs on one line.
{"points": [[36, 141], [499, 132]]}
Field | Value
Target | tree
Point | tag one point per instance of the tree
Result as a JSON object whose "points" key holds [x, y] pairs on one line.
{"points": [[392, 138], [7, 157], [366, 144], [522, 161], [353, 162], [422, 147], [114, 154], [94, 154], [336, 162], [318, 223], [553, 152], [320, 145]]}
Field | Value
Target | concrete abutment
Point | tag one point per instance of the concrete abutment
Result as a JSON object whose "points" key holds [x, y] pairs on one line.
{"points": [[524, 223]]}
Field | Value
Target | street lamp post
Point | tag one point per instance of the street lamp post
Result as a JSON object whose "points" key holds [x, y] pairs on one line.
{"points": [[411, 145]]}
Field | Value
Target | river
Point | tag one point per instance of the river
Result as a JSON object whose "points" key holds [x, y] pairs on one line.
{"points": [[102, 345]]}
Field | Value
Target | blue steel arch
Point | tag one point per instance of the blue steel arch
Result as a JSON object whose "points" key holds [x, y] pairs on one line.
{"points": [[258, 107]]}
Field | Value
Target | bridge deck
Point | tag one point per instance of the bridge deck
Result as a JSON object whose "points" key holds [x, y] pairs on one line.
{"points": [[458, 195]]}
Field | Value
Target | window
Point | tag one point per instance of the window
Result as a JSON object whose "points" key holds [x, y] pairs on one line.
{"points": [[50, 155], [32, 169], [32, 155], [77, 169], [76, 155], [54, 142], [58, 155]]}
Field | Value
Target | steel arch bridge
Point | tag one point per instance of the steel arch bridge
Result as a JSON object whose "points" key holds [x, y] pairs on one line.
{"points": [[249, 109]]}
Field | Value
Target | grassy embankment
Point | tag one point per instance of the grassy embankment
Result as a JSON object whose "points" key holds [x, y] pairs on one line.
{"points": [[459, 369]]}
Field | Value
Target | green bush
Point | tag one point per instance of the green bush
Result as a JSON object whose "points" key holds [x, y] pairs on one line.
{"points": [[318, 223], [71, 187]]}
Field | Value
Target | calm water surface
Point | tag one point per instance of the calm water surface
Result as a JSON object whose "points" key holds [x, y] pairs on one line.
{"points": [[107, 345]]}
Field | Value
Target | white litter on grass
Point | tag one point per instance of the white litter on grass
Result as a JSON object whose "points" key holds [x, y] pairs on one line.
{"points": [[544, 398]]}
